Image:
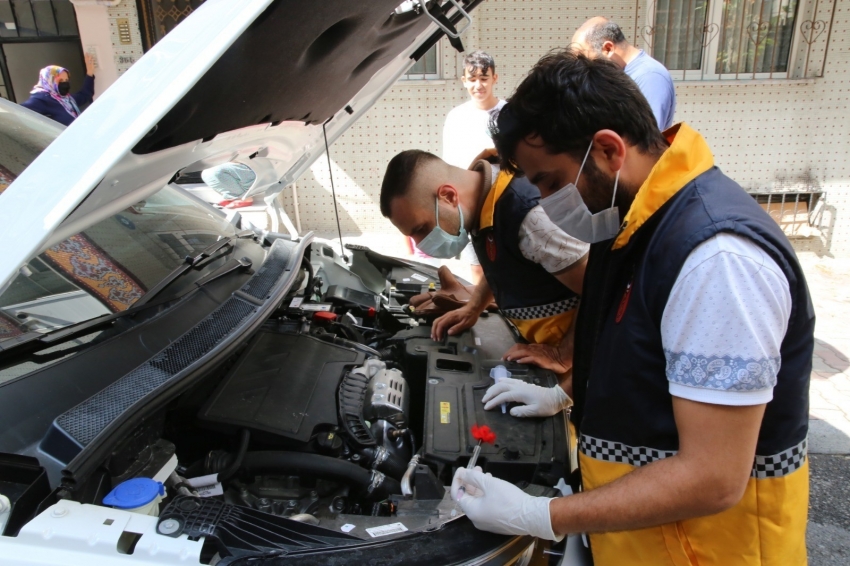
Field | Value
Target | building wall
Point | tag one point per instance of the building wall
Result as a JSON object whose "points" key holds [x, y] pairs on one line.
{"points": [[99, 35], [764, 134]]}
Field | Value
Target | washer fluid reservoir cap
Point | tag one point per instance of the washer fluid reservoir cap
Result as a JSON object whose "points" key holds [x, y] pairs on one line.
{"points": [[134, 493]]}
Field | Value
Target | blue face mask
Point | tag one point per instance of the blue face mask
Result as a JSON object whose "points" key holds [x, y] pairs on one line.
{"points": [[440, 243]]}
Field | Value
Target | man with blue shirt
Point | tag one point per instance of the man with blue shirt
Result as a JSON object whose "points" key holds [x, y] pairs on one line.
{"points": [[600, 37]]}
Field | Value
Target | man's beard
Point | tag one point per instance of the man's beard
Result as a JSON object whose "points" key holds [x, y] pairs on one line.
{"points": [[598, 189]]}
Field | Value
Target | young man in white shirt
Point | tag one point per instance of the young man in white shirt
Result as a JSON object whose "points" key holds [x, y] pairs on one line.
{"points": [[467, 129]]}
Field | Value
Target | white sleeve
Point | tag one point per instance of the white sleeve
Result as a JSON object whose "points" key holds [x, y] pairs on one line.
{"points": [[724, 322], [541, 241], [469, 256], [450, 136]]}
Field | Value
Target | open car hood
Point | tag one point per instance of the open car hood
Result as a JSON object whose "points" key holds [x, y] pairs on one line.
{"points": [[254, 81]]}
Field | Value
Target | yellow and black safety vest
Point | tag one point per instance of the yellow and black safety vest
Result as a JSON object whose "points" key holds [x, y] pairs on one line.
{"points": [[536, 302], [623, 406]]}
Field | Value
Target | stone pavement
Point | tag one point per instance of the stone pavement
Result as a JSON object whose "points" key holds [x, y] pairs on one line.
{"points": [[829, 410], [828, 532]]}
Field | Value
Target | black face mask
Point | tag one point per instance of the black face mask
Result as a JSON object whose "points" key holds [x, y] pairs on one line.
{"points": [[64, 88]]}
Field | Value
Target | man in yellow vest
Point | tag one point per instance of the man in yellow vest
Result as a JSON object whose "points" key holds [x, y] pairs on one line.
{"points": [[693, 345], [532, 268]]}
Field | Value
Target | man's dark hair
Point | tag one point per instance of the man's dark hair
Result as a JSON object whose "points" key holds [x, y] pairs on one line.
{"points": [[568, 97], [602, 32], [478, 61], [400, 174]]}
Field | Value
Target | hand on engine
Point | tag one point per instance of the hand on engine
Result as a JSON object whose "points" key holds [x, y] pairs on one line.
{"points": [[537, 401], [454, 322], [500, 507], [541, 355]]}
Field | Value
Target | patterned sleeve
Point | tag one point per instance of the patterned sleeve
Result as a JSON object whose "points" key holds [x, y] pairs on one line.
{"points": [[541, 241], [724, 323]]}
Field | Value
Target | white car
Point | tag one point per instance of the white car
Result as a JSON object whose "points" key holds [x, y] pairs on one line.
{"points": [[177, 387]]}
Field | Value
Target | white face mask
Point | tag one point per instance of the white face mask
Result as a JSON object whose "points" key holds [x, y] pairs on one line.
{"points": [[567, 210], [440, 243]]}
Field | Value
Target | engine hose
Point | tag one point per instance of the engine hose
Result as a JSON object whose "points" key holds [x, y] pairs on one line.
{"points": [[412, 440], [406, 488], [373, 484], [334, 339], [308, 290], [384, 461], [230, 471]]}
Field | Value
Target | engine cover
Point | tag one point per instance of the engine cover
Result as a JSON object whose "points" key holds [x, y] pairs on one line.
{"points": [[284, 384], [456, 378]]}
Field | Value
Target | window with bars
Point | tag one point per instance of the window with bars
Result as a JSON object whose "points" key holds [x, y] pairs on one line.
{"points": [[428, 66], [728, 39], [37, 18]]}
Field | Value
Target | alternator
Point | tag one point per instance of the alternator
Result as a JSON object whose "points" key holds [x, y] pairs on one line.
{"points": [[387, 396]]}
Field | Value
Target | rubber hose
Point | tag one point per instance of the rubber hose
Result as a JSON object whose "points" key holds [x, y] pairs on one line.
{"points": [[390, 463], [323, 467], [308, 290], [406, 488], [230, 471]]}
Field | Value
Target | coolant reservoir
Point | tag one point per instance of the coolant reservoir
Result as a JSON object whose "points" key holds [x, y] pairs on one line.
{"points": [[138, 495]]}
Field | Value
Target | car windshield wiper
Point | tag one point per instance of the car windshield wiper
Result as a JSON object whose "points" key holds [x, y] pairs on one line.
{"points": [[196, 262], [203, 258]]}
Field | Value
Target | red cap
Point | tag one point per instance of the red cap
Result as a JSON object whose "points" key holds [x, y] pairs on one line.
{"points": [[371, 312], [323, 316], [483, 433]]}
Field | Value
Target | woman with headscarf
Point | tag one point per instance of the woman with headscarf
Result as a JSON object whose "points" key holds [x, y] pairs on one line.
{"points": [[52, 96]]}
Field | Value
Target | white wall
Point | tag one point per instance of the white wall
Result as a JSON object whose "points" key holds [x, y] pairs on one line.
{"points": [[98, 25], [762, 133]]}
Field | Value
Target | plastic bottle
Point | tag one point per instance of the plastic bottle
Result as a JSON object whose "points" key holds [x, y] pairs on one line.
{"points": [[498, 373]]}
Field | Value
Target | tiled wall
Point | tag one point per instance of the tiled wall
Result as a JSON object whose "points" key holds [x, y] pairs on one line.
{"points": [[762, 133], [125, 55]]}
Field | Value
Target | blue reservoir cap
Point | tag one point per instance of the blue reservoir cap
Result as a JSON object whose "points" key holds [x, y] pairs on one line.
{"points": [[134, 493]]}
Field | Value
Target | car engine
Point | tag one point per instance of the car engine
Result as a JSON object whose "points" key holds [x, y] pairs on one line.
{"points": [[343, 405]]}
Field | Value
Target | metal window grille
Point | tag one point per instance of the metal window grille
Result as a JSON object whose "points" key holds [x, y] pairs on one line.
{"points": [[428, 66], [737, 39], [798, 213], [37, 18]]}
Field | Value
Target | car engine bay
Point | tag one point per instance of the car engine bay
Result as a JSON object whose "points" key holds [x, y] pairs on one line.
{"points": [[340, 411]]}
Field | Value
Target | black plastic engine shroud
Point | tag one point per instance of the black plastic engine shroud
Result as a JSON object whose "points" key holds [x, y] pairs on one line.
{"points": [[284, 384], [457, 374]]}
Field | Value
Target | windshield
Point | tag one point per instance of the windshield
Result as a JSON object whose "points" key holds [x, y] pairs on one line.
{"points": [[23, 136], [109, 266]]}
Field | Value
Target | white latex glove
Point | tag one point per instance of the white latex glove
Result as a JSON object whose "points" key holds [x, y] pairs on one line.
{"points": [[500, 507], [538, 401]]}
